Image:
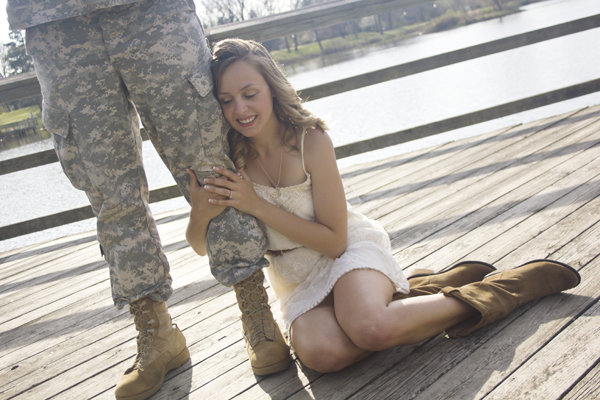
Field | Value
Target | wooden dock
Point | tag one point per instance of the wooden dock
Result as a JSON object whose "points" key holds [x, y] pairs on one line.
{"points": [[524, 192]]}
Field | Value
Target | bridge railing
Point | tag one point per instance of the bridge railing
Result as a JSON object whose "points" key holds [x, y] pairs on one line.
{"points": [[321, 15]]}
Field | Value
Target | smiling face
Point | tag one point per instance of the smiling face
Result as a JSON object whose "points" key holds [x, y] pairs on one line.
{"points": [[247, 100]]}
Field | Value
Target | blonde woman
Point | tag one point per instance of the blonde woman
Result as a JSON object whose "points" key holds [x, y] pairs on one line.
{"points": [[342, 294]]}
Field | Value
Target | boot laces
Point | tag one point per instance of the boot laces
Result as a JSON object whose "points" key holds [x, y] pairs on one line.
{"points": [[145, 336], [256, 313], [257, 328], [255, 317]]}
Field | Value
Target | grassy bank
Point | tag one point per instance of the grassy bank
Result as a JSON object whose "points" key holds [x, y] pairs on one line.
{"points": [[449, 20], [20, 115]]}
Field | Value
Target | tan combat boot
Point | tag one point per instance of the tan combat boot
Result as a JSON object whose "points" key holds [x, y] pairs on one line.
{"points": [[499, 293], [160, 347], [267, 350]]}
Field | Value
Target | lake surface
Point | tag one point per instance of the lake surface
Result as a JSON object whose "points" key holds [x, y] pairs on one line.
{"points": [[383, 108]]}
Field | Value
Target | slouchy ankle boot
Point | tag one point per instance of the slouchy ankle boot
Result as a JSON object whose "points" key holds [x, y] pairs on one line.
{"points": [[267, 350], [161, 347], [458, 275], [499, 293]]}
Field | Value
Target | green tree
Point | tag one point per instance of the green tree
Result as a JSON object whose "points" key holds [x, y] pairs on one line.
{"points": [[15, 59], [499, 4]]}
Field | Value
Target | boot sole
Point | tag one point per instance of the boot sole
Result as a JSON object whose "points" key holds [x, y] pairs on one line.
{"points": [[273, 368], [573, 270], [176, 362], [491, 267]]}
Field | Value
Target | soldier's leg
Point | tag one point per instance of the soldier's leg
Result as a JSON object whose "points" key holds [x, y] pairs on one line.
{"points": [[168, 77], [96, 135]]}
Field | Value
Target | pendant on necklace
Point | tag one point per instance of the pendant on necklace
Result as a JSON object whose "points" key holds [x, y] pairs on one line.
{"points": [[271, 181]]}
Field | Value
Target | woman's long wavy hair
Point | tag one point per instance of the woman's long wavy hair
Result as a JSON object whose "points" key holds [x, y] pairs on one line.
{"points": [[287, 105]]}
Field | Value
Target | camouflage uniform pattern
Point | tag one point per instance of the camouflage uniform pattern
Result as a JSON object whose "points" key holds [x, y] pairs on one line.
{"points": [[25, 13], [95, 72]]}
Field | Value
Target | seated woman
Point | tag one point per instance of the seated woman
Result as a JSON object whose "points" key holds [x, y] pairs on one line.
{"points": [[342, 294]]}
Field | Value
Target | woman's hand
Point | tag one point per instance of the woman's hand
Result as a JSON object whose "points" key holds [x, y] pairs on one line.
{"points": [[202, 207], [235, 189], [200, 215]]}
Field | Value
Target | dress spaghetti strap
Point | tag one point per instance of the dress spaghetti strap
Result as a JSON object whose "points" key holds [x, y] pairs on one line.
{"points": [[302, 151]]}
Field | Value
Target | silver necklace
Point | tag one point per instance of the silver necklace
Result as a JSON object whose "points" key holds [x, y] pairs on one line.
{"points": [[271, 181]]}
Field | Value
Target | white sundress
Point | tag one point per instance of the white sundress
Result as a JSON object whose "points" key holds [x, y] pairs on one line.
{"points": [[302, 278]]}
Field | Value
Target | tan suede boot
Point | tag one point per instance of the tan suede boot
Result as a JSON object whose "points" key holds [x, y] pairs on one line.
{"points": [[161, 347], [460, 274], [499, 293], [267, 350]]}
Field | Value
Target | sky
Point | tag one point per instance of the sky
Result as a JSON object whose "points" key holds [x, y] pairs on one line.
{"points": [[3, 22]]}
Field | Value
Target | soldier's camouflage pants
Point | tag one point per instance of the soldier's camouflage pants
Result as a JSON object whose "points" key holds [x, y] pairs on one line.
{"points": [[95, 72]]}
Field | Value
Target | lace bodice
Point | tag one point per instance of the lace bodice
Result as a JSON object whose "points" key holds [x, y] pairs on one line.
{"points": [[296, 199]]}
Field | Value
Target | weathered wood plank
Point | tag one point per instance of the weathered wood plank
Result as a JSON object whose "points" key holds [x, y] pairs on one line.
{"points": [[549, 373], [551, 203], [588, 387], [464, 168], [18, 266], [20, 86], [49, 263], [414, 173], [418, 233]]}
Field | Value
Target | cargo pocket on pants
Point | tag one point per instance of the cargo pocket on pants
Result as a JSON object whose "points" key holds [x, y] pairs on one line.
{"points": [[202, 83], [211, 124], [58, 122]]}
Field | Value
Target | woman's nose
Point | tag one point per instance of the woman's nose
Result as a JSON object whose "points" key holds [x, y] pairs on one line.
{"points": [[240, 107]]}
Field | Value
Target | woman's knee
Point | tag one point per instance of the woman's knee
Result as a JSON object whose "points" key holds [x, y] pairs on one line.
{"points": [[319, 350], [371, 333], [321, 356]]}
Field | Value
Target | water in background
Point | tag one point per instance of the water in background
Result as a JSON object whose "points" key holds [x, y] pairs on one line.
{"points": [[376, 110]]}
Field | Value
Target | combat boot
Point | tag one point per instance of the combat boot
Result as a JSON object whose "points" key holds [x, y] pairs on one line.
{"points": [[267, 350], [161, 347]]}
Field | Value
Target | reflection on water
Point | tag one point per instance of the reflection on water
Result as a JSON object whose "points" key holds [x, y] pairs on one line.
{"points": [[383, 108], [333, 59], [17, 141]]}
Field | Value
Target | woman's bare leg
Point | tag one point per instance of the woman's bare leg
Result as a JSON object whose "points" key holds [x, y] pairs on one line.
{"points": [[360, 318], [320, 343], [366, 314]]}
